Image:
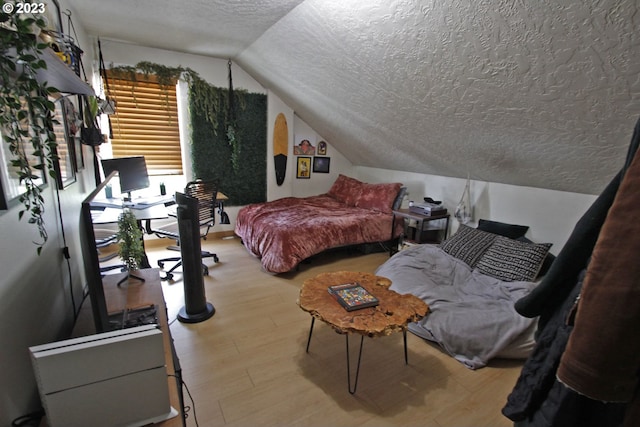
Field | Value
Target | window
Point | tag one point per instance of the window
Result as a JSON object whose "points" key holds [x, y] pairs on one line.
{"points": [[146, 123]]}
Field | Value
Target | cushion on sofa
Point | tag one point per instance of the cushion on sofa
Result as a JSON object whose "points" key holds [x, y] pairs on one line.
{"points": [[468, 244], [513, 260], [511, 231], [548, 260]]}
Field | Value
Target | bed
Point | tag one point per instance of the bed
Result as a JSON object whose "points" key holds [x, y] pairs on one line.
{"points": [[471, 282], [286, 231]]}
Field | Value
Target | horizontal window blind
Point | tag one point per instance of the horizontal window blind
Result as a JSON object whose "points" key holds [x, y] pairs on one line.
{"points": [[146, 123]]}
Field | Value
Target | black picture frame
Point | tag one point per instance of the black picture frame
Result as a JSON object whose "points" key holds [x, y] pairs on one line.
{"points": [[321, 164], [79, 154], [303, 169], [3, 200], [321, 149], [65, 166]]}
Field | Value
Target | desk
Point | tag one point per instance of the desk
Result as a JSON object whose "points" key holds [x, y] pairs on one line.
{"points": [[138, 203], [111, 216], [154, 208]]}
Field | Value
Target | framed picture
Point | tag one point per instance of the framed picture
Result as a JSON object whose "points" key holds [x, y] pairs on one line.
{"points": [[304, 146], [72, 125], [322, 148], [321, 164], [79, 156], [65, 146], [303, 170]]}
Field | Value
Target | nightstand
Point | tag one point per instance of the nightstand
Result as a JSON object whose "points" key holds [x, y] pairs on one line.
{"points": [[415, 233]]}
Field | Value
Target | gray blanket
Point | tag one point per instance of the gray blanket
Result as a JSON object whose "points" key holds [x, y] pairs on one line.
{"points": [[472, 316]]}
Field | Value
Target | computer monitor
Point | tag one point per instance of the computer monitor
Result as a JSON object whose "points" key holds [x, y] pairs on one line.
{"points": [[132, 172]]}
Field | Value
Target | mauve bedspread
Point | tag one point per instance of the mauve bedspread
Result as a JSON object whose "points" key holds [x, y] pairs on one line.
{"points": [[286, 231]]}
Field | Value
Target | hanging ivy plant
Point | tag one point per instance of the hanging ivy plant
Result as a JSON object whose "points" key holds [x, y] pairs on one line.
{"points": [[26, 112], [165, 76], [207, 99]]}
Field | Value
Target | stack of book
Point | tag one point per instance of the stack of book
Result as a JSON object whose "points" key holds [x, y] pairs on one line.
{"points": [[429, 209]]}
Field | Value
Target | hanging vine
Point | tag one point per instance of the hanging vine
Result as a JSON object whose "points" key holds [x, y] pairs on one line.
{"points": [[26, 112], [206, 98], [166, 76]]}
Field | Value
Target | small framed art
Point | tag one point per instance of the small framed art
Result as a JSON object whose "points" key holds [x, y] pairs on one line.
{"points": [[321, 164], [303, 170], [322, 148], [304, 147]]}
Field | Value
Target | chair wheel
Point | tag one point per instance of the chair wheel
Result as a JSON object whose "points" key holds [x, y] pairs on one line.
{"points": [[160, 264], [215, 258], [169, 276], [205, 271]]}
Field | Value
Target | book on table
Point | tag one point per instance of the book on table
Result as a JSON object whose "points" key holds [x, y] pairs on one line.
{"points": [[428, 209], [353, 296]]}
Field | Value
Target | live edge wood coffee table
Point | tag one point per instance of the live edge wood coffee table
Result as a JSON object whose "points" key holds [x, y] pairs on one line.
{"points": [[392, 314]]}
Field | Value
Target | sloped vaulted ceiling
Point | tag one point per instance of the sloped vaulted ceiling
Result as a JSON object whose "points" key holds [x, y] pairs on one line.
{"points": [[538, 93]]}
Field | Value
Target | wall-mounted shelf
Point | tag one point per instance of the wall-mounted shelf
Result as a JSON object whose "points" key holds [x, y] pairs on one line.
{"points": [[59, 75]]}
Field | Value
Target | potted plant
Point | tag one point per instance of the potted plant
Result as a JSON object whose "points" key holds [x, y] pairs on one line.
{"points": [[131, 248]]}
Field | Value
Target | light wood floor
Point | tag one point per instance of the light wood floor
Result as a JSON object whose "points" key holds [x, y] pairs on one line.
{"points": [[247, 365]]}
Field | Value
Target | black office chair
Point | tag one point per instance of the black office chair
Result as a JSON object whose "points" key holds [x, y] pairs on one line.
{"points": [[106, 237], [206, 192]]}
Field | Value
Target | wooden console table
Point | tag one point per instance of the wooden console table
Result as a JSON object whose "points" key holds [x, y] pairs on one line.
{"points": [[132, 294]]}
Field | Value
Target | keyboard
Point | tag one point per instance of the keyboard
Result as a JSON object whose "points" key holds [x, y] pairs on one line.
{"points": [[149, 201]]}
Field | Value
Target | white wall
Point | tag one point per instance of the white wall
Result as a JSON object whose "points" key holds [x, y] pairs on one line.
{"points": [[318, 182], [550, 214], [36, 291]]}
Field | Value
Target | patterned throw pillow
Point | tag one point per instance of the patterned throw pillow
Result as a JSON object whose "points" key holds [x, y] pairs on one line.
{"points": [[468, 244], [512, 260]]}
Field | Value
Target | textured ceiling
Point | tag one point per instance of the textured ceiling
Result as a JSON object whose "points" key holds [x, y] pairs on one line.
{"points": [[538, 93]]}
